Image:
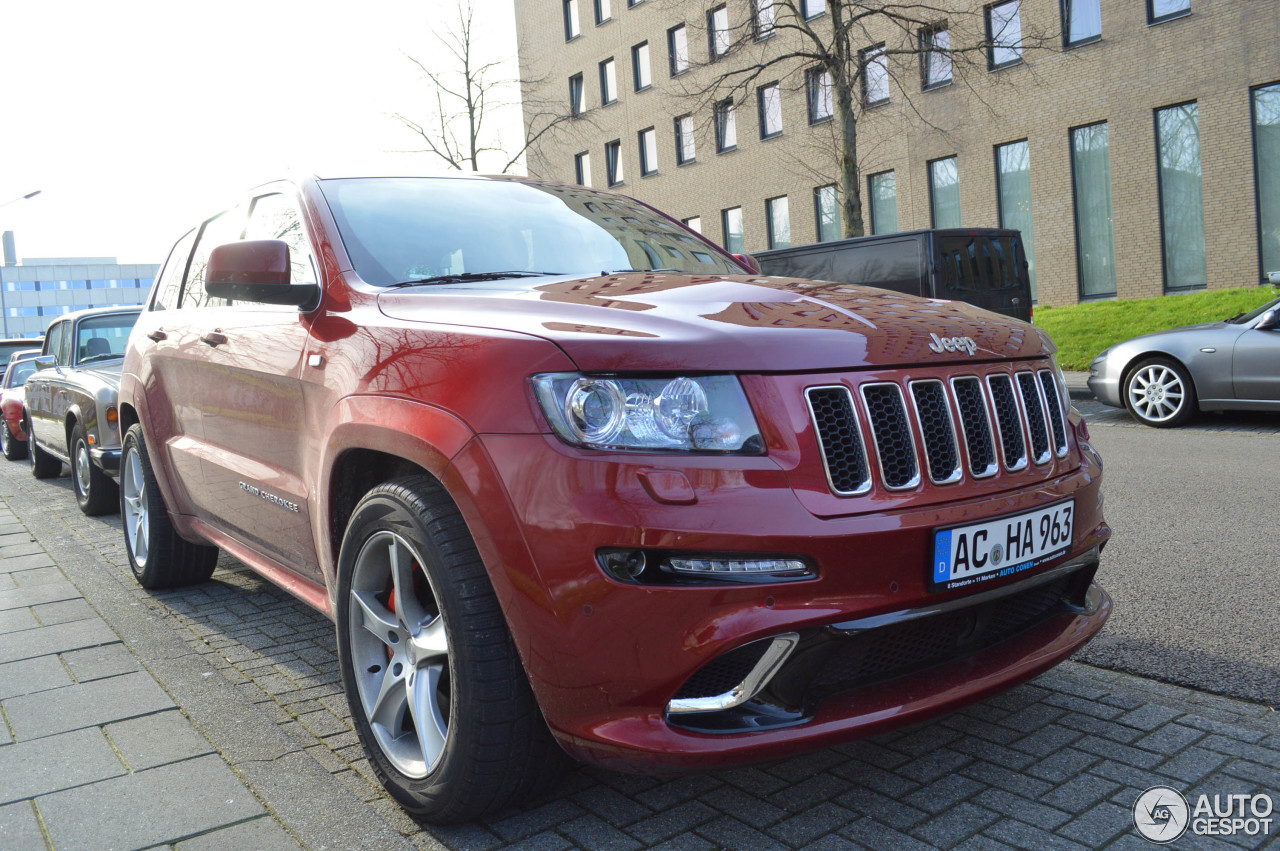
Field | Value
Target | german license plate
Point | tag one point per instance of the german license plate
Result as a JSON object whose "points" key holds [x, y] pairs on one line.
{"points": [[1015, 543]]}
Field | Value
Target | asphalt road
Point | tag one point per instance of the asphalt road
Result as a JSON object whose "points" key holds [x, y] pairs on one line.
{"points": [[1194, 563]]}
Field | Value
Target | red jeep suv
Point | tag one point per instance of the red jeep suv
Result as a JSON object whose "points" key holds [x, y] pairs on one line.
{"points": [[569, 477]]}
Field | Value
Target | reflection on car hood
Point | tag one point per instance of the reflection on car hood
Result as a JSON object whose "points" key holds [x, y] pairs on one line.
{"points": [[665, 321]]}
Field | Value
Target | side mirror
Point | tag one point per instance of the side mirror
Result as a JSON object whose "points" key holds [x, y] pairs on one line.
{"points": [[1274, 278], [748, 262], [255, 270], [1268, 320], [45, 361]]}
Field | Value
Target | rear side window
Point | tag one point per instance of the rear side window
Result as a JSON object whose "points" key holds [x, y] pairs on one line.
{"points": [[983, 263], [894, 265], [221, 229], [169, 284], [53, 341]]}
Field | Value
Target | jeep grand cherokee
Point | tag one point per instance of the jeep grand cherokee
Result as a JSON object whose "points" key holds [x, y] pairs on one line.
{"points": [[569, 477]]}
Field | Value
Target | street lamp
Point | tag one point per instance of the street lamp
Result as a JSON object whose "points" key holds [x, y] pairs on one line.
{"points": [[4, 311]]}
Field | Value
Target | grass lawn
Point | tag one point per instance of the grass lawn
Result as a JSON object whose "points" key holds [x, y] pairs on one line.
{"points": [[1083, 330]]}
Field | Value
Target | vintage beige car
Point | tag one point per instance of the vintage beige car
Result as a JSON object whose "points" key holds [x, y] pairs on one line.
{"points": [[71, 403]]}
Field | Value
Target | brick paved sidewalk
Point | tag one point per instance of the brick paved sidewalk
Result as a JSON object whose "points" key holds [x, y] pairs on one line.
{"points": [[1056, 763]]}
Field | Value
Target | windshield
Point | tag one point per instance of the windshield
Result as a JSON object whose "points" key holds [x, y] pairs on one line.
{"points": [[412, 228], [103, 337], [1255, 313], [20, 372]]}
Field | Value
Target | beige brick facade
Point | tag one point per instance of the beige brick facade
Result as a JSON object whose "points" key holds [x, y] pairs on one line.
{"points": [[1214, 56]]}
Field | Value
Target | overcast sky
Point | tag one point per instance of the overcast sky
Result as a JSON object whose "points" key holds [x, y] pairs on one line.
{"points": [[137, 119]]}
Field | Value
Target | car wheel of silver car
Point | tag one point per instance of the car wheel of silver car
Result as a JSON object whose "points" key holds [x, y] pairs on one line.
{"points": [[159, 557], [14, 449], [1159, 393], [95, 491], [436, 689], [43, 465]]}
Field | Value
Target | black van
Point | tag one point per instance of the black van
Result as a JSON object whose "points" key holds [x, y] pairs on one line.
{"points": [[986, 267]]}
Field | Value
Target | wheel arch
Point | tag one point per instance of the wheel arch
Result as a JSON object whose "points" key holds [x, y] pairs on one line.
{"points": [[1132, 365]]}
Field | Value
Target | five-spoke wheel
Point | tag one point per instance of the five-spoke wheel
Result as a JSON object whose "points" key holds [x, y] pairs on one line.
{"points": [[1159, 393]]}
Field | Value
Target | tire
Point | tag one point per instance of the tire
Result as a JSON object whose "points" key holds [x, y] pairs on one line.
{"points": [[481, 742], [1158, 392], [159, 557], [14, 449], [43, 465], [96, 493]]}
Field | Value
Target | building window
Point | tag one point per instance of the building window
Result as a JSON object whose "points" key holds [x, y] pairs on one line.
{"points": [[935, 56], [726, 127], [1163, 10], [813, 8], [718, 31], [779, 217], [633, 3], [640, 66], [765, 16], [582, 169], [1081, 21], [1013, 190], [575, 94], [693, 223], [685, 150], [819, 90], [1266, 148], [608, 82], [602, 11], [875, 75], [678, 49], [826, 212], [1181, 197], [944, 192], [648, 151], [1095, 236], [613, 161], [731, 220], [1004, 35], [883, 189], [770, 111], [571, 30]]}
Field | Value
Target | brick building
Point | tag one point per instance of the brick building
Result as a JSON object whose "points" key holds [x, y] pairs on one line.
{"points": [[1137, 141]]}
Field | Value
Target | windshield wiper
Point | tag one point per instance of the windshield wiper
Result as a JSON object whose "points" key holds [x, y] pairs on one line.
{"points": [[620, 271], [103, 356], [466, 276]]}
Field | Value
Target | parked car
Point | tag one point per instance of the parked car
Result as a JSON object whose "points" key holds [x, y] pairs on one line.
{"points": [[1164, 378], [985, 267], [72, 403], [13, 439], [10, 347], [566, 476], [21, 354]]}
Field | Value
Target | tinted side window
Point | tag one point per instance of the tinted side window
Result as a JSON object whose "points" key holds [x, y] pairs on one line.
{"points": [[891, 265], [169, 284], [276, 217], [221, 229]]}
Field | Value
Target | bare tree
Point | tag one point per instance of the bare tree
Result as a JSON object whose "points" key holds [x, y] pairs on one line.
{"points": [[467, 94], [845, 60]]}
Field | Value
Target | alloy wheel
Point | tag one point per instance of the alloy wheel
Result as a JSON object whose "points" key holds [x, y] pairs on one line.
{"points": [[133, 485], [1157, 393], [400, 654]]}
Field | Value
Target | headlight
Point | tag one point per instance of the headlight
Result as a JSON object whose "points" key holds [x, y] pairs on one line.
{"points": [[706, 413]]}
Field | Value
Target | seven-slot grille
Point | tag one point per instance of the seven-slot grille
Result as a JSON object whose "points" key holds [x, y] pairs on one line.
{"points": [[1015, 418]]}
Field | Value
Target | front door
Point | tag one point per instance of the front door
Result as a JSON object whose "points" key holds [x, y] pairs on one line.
{"points": [[1255, 365]]}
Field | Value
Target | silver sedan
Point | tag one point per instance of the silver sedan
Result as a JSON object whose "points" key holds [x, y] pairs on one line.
{"points": [[1164, 378]]}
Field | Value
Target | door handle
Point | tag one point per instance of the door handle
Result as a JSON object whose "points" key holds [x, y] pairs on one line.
{"points": [[214, 338], [158, 335]]}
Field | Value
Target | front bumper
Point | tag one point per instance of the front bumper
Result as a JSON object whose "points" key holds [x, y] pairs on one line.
{"points": [[1104, 381], [606, 658], [108, 460]]}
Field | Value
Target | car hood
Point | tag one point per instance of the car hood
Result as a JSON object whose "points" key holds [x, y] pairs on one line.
{"points": [[666, 321], [108, 373]]}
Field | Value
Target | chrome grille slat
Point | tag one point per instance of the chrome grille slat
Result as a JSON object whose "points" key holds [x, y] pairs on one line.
{"points": [[1033, 407], [1008, 421], [975, 425], [933, 417], [835, 420], [892, 435], [1053, 402]]}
